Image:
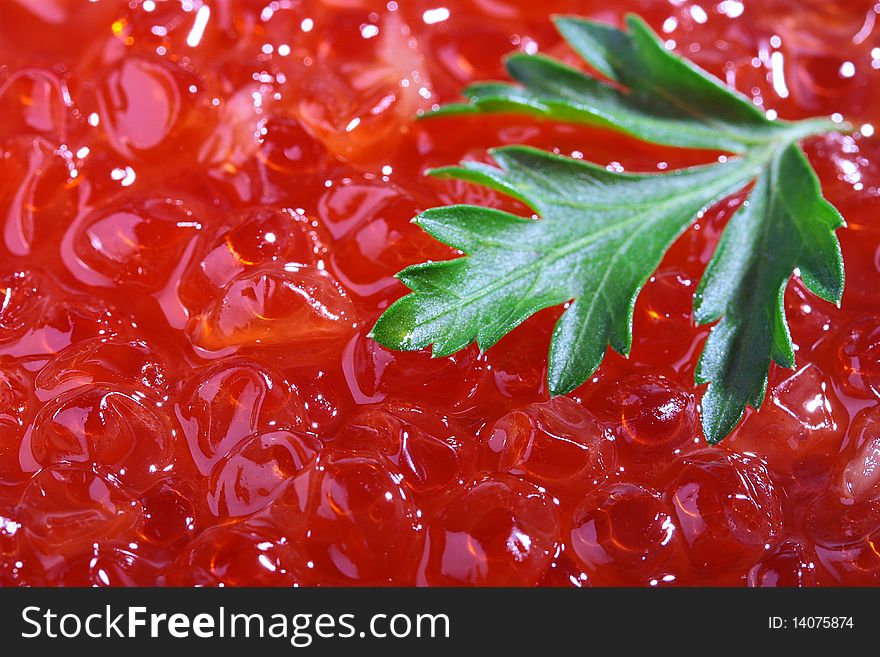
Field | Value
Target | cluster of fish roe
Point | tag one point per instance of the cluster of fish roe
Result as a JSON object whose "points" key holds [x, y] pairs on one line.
{"points": [[202, 207]]}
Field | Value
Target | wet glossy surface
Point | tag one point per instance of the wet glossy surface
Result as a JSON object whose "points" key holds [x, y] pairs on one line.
{"points": [[202, 207]]}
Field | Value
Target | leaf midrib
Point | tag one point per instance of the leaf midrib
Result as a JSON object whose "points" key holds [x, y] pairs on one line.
{"points": [[743, 175]]}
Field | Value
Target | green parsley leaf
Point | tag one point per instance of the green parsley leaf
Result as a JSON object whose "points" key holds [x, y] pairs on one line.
{"points": [[654, 95], [785, 223], [601, 234]]}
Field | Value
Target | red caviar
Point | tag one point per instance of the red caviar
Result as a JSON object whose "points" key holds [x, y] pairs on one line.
{"points": [[203, 203]]}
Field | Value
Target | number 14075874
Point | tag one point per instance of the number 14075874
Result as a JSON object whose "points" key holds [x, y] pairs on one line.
{"points": [[811, 623]]}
